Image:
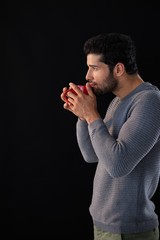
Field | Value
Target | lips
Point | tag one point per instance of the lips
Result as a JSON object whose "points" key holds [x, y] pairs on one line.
{"points": [[91, 84]]}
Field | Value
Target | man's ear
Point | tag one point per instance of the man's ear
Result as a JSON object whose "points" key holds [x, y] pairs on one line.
{"points": [[119, 69]]}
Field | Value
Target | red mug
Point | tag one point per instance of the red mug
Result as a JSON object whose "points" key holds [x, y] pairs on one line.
{"points": [[81, 87]]}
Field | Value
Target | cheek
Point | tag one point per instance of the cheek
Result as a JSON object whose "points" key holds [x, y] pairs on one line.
{"points": [[100, 78]]}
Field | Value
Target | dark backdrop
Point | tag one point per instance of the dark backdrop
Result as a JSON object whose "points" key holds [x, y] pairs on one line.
{"points": [[45, 186]]}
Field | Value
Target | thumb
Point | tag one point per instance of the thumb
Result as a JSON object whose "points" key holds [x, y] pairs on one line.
{"points": [[89, 89]]}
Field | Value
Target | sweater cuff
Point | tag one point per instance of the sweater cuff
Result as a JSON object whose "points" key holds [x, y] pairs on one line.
{"points": [[82, 122], [96, 123]]}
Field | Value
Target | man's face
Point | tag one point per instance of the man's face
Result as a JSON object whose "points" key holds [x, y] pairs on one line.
{"points": [[99, 76]]}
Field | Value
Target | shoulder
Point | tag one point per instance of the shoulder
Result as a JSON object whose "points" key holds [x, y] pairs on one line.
{"points": [[151, 95], [146, 92]]}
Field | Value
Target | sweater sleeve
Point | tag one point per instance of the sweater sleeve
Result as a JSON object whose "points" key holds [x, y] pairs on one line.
{"points": [[84, 142], [137, 137]]}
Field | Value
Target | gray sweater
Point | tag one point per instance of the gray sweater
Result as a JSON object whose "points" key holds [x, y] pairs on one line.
{"points": [[126, 147]]}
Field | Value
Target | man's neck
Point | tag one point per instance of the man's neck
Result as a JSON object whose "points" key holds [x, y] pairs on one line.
{"points": [[127, 85]]}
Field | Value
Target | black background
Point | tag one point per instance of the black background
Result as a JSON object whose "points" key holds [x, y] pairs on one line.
{"points": [[45, 185]]}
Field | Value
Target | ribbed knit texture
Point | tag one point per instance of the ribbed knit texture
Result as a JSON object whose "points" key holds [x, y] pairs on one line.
{"points": [[126, 147]]}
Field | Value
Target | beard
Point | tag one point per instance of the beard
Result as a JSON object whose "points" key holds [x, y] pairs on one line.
{"points": [[108, 85]]}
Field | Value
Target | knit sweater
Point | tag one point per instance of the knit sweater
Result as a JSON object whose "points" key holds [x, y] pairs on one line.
{"points": [[126, 146]]}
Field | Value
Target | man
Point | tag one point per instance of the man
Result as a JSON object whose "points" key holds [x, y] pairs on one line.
{"points": [[125, 144]]}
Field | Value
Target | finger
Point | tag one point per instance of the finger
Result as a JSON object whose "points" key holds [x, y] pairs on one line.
{"points": [[66, 105], [64, 89], [75, 88], [89, 89], [63, 96]]}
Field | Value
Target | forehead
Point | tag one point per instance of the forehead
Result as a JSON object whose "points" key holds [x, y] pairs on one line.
{"points": [[94, 58]]}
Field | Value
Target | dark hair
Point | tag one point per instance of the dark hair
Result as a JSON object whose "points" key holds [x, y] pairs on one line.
{"points": [[114, 48]]}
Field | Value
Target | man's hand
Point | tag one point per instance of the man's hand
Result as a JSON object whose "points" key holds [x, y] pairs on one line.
{"points": [[80, 104]]}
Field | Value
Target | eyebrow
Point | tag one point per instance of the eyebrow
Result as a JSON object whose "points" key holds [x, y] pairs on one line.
{"points": [[90, 65]]}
